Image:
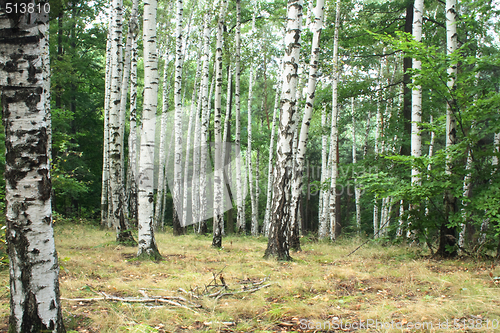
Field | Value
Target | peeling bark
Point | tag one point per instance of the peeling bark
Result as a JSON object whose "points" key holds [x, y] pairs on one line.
{"points": [[24, 88], [279, 233]]}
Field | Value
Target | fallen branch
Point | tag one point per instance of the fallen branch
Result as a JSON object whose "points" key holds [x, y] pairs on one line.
{"points": [[147, 299], [249, 291]]}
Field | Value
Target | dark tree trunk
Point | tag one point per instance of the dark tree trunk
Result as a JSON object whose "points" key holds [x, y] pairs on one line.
{"points": [[407, 65], [338, 198], [178, 229]]}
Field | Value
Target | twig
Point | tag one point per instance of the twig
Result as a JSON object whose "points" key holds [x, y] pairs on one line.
{"points": [[190, 293], [249, 291]]}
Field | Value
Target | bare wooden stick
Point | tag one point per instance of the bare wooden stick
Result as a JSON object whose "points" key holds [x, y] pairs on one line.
{"points": [[249, 291], [145, 299]]}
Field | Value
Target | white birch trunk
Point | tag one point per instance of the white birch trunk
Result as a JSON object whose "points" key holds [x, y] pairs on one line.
{"points": [[357, 191], [270, 163], [158, 210], [466, 194], [323, 196], [195, 198], [431, 151], [123, 104], [123, 234], [297, 182], [378, 126], [24, 90], [451, 46], [451, 139], [240, 200], [203, 204], [147, 243], [218, 170], [278, 245], [255, 224], [496, 150], [105, 221], [225, 140], [132, 138], [416, 112], [193, 117], [177, 193], [333, 134]]}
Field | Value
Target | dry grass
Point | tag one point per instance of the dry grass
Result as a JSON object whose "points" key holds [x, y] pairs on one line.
{"points": [[388, 284]]}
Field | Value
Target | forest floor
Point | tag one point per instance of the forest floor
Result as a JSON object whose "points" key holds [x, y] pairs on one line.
{"points": [[377, 289]]}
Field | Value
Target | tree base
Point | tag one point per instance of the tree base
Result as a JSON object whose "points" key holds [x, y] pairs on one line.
{"points": [[126, 238], [149, 254], [269, 254]]}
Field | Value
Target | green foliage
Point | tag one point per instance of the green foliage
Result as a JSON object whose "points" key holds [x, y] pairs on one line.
{"points": [[77, 47]]}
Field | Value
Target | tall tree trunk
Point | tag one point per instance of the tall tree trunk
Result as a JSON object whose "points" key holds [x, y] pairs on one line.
{"points": [[132, 137], [357, 191], [123, 102], [147, 243], [323, 196], [333, 135], [195, 197], [34, 272], [226, 154], [416, 112], [447, 234], [255, 223], [240, 199], [270, 161], [105, 221], [178, 223], [189, 187], [297, 182], [466, 194], [159, 209], [431, 151], [205, 117], [378, 130], [123, 234], [407, 95], [218, 170], [278, 244]]}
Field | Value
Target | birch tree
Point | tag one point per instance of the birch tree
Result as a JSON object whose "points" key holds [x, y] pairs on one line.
{"points": [[190, 161], [219, 176], [255, 223], [203, 204], [132, 137], [357, 191], [451, 138], [306, 121], [177, 186], [105, 159], [416, 112], [159, 208], [123, 234], [333, 169], [279, 233], [270, 164], [24, 90], [240, 200], [147, 243], [322, 229]]}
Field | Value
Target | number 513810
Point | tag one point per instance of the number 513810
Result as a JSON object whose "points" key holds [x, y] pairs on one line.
{"points": [[23, 8]]}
